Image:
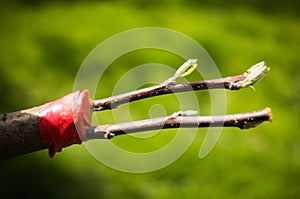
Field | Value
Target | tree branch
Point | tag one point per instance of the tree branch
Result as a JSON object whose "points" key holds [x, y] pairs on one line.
{"points": [[20, 133], [181, 120], [247, 79], [52, 125]]}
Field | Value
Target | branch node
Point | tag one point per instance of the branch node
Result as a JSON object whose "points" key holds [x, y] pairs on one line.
{"points": [[183, 113], [109, 135]]}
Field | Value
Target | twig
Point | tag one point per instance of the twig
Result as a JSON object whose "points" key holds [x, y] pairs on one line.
{"points": [[181, 120], [247, 79]]}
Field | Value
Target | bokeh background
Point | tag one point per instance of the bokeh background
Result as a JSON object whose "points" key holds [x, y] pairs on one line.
{"points": [[43, 43]]}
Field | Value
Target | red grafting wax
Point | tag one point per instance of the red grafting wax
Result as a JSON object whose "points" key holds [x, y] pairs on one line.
{"points": [[63, 122]]}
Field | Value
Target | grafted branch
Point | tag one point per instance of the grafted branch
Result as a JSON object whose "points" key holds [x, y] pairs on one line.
{"points": [[249, 78], [181, 120]]}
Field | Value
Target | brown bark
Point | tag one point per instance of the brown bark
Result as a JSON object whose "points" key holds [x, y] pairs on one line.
{"points": [[19, 133]]}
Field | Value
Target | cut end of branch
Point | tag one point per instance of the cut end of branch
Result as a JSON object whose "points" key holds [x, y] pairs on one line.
{"points": [[257, 118], [269, 113], [253, 75]]}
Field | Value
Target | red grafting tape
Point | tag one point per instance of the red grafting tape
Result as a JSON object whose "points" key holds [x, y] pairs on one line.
{"points": [[63, 122]]}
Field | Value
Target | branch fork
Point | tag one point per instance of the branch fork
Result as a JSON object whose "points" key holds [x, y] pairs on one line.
{"points": [[186, 119]]}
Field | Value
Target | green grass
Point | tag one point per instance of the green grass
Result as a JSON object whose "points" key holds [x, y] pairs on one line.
{"points": [[43, 47]]}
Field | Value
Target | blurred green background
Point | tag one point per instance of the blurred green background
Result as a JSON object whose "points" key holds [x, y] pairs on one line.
{"points": [[43, 43]]}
